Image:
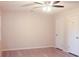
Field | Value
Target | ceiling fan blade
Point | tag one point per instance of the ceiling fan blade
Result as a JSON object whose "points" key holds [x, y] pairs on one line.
{"points": [[38, 3], [60, 6], [34, 3], [28, 4], [55, 2], [34, 8]]}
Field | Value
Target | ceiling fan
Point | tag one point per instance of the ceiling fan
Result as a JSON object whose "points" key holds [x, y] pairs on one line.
{"points": [[45, 4]]}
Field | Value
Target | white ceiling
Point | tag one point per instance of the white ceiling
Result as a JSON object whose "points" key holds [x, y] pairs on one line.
{"points": [[17, 5]]}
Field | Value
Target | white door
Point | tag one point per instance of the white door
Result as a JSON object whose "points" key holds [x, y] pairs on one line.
{"points": [[60, 33], [73, 35]]}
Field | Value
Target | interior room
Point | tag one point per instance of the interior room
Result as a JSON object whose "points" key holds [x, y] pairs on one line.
{"points": [[39, 28]]}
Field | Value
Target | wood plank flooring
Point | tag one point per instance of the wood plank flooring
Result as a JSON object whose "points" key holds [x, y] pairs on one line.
{"points": [[40, 52]]}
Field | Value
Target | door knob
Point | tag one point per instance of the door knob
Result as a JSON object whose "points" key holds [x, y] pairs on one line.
{"points": [[77, 37], [56, 34]]}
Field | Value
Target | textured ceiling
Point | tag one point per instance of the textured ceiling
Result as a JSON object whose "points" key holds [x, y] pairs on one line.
{"points": [[17, 5]]}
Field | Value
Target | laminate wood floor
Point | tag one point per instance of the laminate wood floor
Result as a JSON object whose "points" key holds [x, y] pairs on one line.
{"points": [[40, 52]]}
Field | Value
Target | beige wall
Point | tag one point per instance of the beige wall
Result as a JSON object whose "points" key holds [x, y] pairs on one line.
{"points": [[25, 30], [0, 33]]}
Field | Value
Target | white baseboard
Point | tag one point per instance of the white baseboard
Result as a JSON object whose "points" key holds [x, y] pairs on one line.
{"points": [[25, 48]]}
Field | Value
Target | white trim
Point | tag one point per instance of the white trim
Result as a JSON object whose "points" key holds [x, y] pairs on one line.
{"points": [[25, 48]]}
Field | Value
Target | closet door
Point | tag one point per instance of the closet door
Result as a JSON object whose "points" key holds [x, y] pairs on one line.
{"points": [[73, 34], [60, 33]]}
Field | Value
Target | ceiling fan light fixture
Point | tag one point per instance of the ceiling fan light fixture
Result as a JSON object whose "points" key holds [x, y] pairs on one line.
{"points": [[51, 3], [47, 8]]}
